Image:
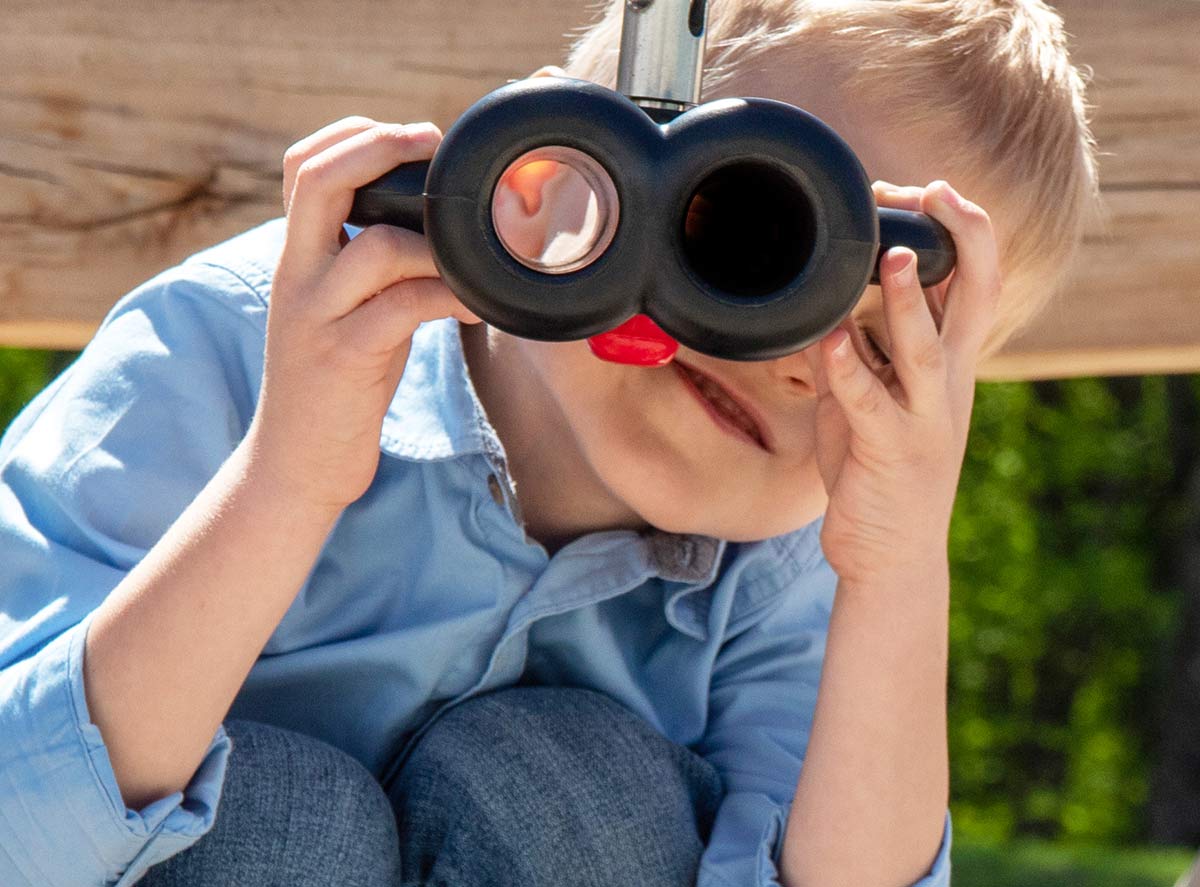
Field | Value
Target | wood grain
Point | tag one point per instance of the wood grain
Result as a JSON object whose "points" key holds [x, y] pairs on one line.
{"points": [[1133, 305], [136, 132]]}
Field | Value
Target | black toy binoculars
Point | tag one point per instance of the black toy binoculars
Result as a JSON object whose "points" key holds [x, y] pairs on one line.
{"points": [[557, 209]]}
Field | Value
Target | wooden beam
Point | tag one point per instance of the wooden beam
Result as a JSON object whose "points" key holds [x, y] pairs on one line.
{"points": [[136, 132], [1132, 306]]}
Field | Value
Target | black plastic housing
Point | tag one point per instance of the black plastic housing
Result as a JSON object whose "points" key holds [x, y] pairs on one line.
{"points": [[790, 240]]}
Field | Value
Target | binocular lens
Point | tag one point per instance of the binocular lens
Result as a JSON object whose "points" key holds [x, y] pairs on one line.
{"points": [[749, 230], [555, 210]]}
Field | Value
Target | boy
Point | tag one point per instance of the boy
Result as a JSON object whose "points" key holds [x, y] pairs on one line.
{"points": [[319, 517]]}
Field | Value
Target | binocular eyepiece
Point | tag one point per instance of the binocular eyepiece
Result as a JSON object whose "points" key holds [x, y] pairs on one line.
{"points": [[557, 209]]}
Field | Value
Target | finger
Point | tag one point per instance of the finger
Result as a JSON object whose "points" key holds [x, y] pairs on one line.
{"points": [[869, 408], [816, 366], [935, 298], [897, 197], [314, 144], [377, 257], [831, 429], [909, 198], [325, 183], [972, 297], [917, 355], [549, 71], [389, 318]]}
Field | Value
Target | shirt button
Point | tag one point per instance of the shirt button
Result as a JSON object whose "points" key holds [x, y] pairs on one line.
{"points": [[494, 488]]}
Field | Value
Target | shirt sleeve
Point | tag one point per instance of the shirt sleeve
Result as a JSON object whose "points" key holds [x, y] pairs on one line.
{"points": [[92, 473], [762, 698]]}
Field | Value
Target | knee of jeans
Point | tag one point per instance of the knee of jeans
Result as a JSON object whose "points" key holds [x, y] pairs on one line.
{"points": [[576, 727], [311, 798], [539, 774]]}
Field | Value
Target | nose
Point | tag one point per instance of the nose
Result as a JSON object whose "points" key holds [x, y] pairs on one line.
{"points": [[794, 373]]}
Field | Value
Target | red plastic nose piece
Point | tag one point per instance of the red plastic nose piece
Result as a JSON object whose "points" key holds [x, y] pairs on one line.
{"points": [[639, 341]]}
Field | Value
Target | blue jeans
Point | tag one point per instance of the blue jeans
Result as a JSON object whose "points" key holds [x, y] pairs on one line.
{"points": [[528, 786]]}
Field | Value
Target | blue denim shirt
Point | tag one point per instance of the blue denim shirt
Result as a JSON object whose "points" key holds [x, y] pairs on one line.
{"points": [[426, 592]]}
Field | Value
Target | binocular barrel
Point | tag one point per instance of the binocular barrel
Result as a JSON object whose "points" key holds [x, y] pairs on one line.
{"points": [[738, 206], [745, 228]]}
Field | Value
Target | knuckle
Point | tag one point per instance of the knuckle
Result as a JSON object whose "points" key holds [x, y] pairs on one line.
{"points": [[383, 132], [930, 356], [976, 216], [994, 297], [318, 174], [382, 239], [422, 132], [379, 243], [995, 285], [973, 215], [293, 156], [420, 301], [990, 286], [913, 461], [313, 173], [398, 134], [430, 300], [308, 312], [866, 400], [355, 120], [910, 294], [326, 340]]}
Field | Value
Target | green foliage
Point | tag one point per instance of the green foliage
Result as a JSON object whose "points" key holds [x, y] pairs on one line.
{"points": [[1032, 863], [1058, 631], [22, 375]]}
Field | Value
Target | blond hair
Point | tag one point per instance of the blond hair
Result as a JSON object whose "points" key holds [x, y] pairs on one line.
{"points": [[988, 82]]}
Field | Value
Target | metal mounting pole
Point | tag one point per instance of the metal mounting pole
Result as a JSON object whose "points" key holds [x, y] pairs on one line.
{"points": [[662, 51]]}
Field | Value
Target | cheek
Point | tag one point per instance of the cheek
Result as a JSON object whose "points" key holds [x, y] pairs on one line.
{"points": [[582, 386], [559, 366], [637, 441], [781, 498], [597, 401]]}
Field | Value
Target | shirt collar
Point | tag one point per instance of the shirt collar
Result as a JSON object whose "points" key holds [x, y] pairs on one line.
{"points": [[436, 413], [686, 558]]}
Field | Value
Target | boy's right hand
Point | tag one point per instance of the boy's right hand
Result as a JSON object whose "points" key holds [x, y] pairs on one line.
{"points": [[342, 315]]}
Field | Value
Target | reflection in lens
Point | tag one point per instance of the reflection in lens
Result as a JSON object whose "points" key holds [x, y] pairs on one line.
{"points": [[555, 210]]}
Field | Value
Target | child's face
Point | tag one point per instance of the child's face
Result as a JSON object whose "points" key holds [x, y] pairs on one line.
{"points": [[668, 446]]}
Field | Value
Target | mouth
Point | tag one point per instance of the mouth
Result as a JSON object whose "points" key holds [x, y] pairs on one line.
{"points": [[726, 410]]}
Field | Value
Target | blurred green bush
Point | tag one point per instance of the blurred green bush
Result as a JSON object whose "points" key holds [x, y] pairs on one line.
{"points": [[1059, 629], [22, 375], [1028, 863]]}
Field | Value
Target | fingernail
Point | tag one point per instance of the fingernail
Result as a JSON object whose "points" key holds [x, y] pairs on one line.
{"points": [[906, 273], [841, 350]]}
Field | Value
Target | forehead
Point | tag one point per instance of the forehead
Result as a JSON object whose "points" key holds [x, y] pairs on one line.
{"points": [[902, 155]]}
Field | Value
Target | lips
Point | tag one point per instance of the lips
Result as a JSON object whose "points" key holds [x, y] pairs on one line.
{"points": [[723, 407]]}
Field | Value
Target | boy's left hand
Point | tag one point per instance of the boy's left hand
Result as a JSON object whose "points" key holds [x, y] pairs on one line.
{"points": [[890, 446]]}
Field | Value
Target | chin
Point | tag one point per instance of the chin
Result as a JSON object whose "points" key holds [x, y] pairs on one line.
{"points": [[734, 518], [730, 531]]}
